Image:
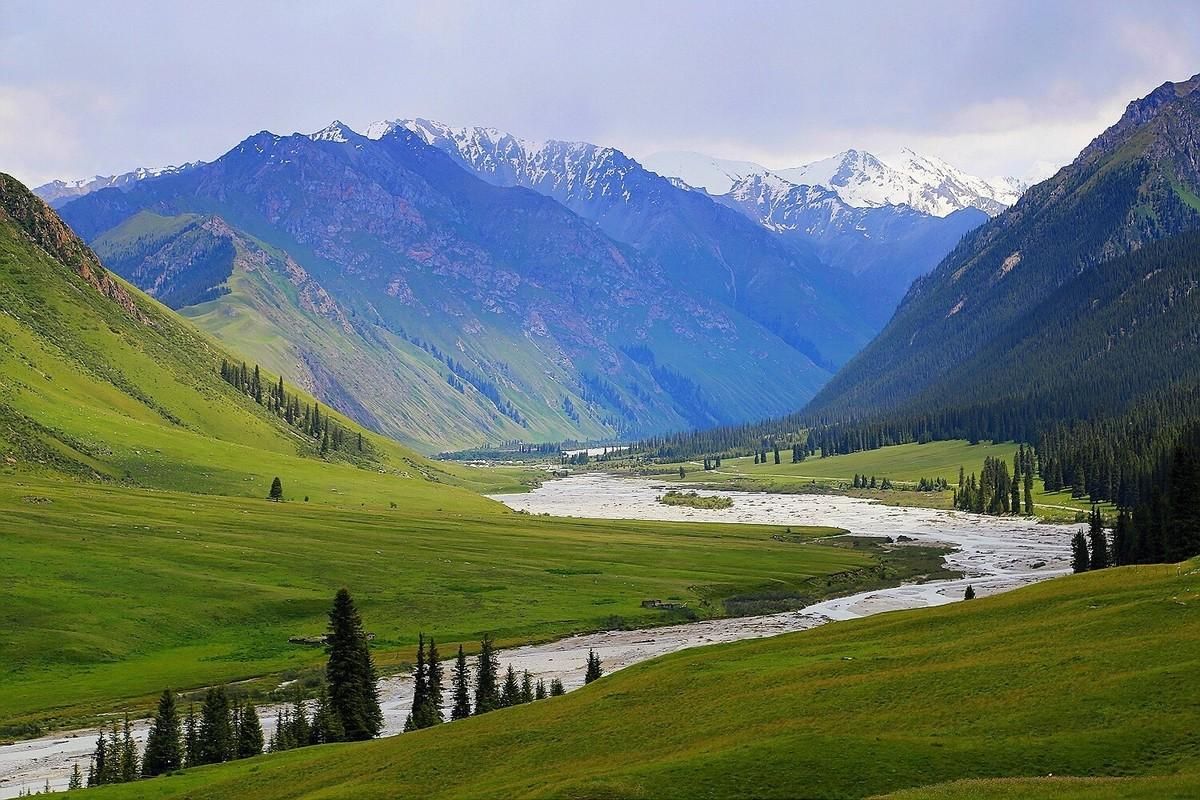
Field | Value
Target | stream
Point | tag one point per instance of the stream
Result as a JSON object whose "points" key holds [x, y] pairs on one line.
{"points": [[993, 554]]}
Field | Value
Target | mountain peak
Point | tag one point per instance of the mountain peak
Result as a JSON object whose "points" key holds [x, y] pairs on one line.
{"points": [[336, 131]]}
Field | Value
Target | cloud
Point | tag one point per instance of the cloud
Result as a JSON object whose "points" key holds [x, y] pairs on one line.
{"points": [[995, 88]]}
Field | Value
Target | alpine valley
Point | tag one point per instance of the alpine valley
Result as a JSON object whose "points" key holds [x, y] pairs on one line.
{"points": [[408, 276]]}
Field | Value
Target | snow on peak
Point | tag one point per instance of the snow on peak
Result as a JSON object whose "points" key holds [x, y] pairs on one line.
{"points": [[716, 175], [336, 131], [58, 193]]}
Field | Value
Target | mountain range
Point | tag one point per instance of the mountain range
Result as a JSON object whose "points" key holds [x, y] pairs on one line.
{"points": [[409, 275], [1077, 301]]}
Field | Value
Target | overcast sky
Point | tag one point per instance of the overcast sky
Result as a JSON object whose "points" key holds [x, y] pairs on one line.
{"points": [[994, 87]]}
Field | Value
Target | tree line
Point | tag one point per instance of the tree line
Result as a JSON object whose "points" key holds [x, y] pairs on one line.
{"points": [[996, 491], [304, 417]]}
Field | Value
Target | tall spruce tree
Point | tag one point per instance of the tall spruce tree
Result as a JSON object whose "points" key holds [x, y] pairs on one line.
{"points": [[594, 670], [164, 747], [216, 739], [418, 715], [487, 690], [191, 738], [249, 732], [510, 695], [461, 681], [1080, 561], [276, 493], [527, 688], [434, 685], [76, 781], [1097, 540], [350, 672]]}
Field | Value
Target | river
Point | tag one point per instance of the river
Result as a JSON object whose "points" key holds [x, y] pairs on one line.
{"points": [[993, 554]]}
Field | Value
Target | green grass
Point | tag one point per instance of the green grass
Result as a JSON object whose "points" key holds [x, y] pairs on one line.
{"points": [[1091, 676], [111, 594], [694, 500], [903, 464]]}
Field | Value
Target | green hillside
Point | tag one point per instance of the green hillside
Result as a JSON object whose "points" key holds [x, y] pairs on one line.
{"points": [[1091, 675], [100, 382]]}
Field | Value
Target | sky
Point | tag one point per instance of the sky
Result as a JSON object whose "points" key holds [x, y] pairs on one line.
{"points": [[996, 88]]}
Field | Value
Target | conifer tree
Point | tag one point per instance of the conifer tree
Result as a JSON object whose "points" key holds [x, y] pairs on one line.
{"points": [[249, 732], [487, 692], [539, 691], [510, 695], [191, 738], [1079, 553], [299, 730], [556, 687], [326, 727], [350, 672], [1097, 540], [1029, 492], [216, 728], [98, 771], [527, 688], [969, 594], [593, 667], [76, 781], [461, 683], [276, 490], [164, 751], [433, 685], [417, 717]]}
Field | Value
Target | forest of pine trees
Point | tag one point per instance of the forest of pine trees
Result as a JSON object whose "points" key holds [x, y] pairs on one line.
{"points": [[328, 435]]}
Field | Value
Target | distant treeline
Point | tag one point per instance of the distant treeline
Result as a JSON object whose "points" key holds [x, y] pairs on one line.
{"points": [[287, 406]]}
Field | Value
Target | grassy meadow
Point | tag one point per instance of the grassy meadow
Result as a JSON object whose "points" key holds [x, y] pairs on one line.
{"points": [[112, 594], [904, 464], [1090, 675]]}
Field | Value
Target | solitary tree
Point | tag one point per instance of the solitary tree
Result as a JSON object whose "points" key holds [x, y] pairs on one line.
{"points": [[276, 490], [969, 594], [1079, 553], [593, 667], [164, 751], [461, 683], [76, 781], [350, 672]]}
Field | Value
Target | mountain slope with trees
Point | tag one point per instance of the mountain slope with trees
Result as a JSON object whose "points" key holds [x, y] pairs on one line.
{"points": [[531, 322], [952, 339]]}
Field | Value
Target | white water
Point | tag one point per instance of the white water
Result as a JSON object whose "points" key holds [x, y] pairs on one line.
{"points": [[993, 554]]}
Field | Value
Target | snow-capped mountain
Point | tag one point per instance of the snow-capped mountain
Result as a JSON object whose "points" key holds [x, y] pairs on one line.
{"points": [[860, 179], [715, 175], [58, 193]]}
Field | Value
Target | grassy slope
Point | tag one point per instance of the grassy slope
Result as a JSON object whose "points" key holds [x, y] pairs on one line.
{"points": [[906, 463], [117, 582], [1091, 675], [111, 594]]}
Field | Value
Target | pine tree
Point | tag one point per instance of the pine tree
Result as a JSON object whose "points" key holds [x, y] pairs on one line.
{"points": [[1123, 539], [556, 687], [969, 594], [164, 751], [433, 686], [98, 772], [249, 732], [276, 490], [326, 727], [350, 672], [539, 691], [593, 667], [510, 695], [1097, 540], [417, 717], [76, 781], [487, 693], [191, 738], [299, 731], [216, 728], [527, 688], [1029, 492], [1079, 553], [461, 684]]}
